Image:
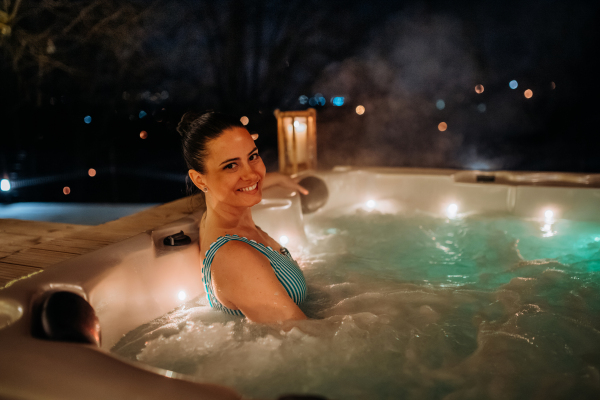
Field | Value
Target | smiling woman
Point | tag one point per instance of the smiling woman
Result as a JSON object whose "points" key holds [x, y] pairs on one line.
{"points": [[243, 274]]}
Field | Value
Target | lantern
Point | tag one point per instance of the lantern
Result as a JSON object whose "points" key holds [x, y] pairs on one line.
{"points": [[297, 140]]}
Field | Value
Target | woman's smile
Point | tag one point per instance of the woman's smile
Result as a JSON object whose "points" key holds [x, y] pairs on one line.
{"points": [[249, 189]]}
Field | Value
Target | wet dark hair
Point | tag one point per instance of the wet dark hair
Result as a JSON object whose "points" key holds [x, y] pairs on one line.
{"points": [[197, 129]]}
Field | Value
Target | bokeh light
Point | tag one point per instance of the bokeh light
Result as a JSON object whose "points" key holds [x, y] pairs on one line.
{"points": [[360, 110], [283, 240], [142, 114], [181, 295], [143, 134], [440, 104], [552, 85], [528, 94], [513, 84], [312, 102], [5, 185], [66, 190], [92, 172], [442, 126], [479, 89], [337, 101], [244, 120], [87, 119], [303, 99], [481, 108]]}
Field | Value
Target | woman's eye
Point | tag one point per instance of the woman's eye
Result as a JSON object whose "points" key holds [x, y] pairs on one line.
{"points": [[230, 166], [254, 157]]}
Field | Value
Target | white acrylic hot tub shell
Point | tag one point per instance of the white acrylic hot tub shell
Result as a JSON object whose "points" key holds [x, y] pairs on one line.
{"points": [[139, 279]]}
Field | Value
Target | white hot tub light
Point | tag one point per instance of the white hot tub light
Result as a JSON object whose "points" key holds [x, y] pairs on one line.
{"points": [[181, 295], [284, 240], [452, 210], [5, 185], [549, 214], [371, 204]]}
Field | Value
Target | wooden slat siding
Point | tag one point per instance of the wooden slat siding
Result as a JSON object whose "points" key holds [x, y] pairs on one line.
{"points": [[75, 243], [36, 258], [9, 272], [38, 228], [12, 268], [61, 248], [33, 245]]}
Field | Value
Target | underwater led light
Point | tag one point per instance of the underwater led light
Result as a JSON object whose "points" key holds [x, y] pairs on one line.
{"points": [[284, 240], [549, 214], [371, 204], [452, 210], [181, 295], [5, 185]]}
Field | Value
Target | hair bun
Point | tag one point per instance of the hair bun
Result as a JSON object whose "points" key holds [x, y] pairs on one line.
{"points": [[183, 127]]}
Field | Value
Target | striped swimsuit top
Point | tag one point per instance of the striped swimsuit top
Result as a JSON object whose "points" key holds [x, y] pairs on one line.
{"points": [[287, 271]]}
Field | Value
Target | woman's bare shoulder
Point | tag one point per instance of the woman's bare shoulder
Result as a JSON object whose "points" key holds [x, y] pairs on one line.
{"points": [[236, 256]]}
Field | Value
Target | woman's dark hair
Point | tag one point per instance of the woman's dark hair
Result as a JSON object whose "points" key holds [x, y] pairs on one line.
{"points": [[197, 129]]}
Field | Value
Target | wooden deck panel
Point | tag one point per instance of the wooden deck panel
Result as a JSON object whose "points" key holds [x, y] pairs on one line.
{"points": [[30, 246], [35, 257]]}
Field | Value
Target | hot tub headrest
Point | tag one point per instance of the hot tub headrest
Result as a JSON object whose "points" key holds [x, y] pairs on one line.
{"points": [[66, 317], [317, 194]]}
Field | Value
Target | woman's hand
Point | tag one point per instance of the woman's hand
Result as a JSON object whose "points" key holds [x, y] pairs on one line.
{"points": [[275, 178]]}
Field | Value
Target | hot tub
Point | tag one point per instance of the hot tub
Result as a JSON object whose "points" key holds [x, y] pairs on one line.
{"points": [[138, 280]]}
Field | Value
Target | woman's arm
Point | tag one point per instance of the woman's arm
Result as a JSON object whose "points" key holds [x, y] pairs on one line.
{"points": [[275, 178], [243, 276]]}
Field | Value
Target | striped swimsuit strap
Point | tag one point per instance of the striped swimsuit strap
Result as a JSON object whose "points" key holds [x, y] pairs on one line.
{"points": [[287, 271]]}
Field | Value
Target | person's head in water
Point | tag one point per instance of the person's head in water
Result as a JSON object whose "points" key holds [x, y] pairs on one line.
{"points": [[222, 158]]}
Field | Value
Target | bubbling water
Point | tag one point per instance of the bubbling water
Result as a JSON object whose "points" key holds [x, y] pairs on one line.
{"points": [[410, 306]]}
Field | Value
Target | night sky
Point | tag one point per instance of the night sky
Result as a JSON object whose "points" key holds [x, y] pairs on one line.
{"points": [[81, 80]]}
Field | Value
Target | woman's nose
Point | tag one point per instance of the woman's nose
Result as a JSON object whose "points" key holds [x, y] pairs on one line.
{"points": [[249, 174]]}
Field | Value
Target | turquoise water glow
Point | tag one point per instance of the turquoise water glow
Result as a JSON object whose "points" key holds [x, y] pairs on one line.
{"points": [[411, 306]]}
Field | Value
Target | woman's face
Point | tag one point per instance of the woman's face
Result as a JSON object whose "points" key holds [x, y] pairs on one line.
{"points": [[234, 170]]}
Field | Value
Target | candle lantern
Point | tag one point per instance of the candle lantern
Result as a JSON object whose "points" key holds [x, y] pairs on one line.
{"points": [[297, 140]]}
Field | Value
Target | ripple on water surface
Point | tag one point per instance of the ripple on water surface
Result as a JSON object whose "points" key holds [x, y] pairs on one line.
{"points": [[411, 306]]}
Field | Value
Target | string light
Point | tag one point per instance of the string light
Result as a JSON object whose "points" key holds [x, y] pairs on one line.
{"points": [[360, 110], [479, 89], [92, 172], [143, 134], [244, 120], [66, 190], [442, 126], [528, 94]]}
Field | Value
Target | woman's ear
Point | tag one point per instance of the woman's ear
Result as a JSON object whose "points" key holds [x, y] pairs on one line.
{"points": [[197, 179]]}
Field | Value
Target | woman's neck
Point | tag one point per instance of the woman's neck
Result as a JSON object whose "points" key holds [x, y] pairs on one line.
{"points": [[223, 216]]}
